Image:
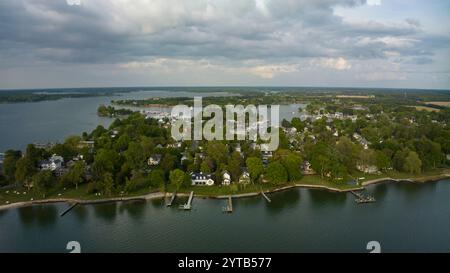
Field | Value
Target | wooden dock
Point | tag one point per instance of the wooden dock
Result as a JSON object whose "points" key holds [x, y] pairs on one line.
{"points": [[172, 199], [69, 209], [361, 199], [188, 205], [229, 207], [265, 197]]}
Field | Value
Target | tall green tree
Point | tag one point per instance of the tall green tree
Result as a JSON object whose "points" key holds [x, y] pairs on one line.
{"points": [[9, 164], [135, 156], [42, 181], [176, 178], [413, 164], [383, 161], [75, 175], [292, 163], [157, 178], [25, 169], [107, 184], [276, 173], [234, 166], [347, 153], [321, 159], [255, 167]]}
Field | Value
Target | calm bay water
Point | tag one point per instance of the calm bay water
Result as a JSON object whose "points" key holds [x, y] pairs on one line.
{"points": [[406, 218], [53, 121]]}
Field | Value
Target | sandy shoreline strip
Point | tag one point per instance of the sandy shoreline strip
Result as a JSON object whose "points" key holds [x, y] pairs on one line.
{"points": [[160, 195]]}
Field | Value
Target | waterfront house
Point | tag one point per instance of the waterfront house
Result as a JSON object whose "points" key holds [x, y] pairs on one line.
{"points": [[201, 179], [226, 178], [245, 177], [53, 163], [307, 168], [154, 160], [368, 169]]}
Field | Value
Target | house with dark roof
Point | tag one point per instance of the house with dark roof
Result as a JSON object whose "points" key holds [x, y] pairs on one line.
{"points": [[201, 179]]}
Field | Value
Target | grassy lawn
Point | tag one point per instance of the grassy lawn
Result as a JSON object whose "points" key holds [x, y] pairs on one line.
{"points": [[316, 180], [71, 193]]}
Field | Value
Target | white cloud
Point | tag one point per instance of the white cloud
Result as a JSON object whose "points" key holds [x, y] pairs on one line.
{"points": [[270, 71], [374, 2], [333, 63]]}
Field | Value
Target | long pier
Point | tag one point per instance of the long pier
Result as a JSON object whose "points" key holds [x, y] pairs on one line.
{"points": [[69, 209], [229, 207], [265, 197], [188, 205], [172, 199]]}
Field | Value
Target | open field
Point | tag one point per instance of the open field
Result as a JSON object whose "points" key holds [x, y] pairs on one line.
{"points": [[355, 96], [426, 108], [439, 103]]}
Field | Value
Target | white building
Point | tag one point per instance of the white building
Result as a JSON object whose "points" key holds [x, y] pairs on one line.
{"points": [[53, 163], [226, 178], [200, 179], [154, 160], [367, 169]]}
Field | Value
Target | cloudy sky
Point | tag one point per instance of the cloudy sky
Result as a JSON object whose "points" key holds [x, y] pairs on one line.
{"points": [[353, 43]]}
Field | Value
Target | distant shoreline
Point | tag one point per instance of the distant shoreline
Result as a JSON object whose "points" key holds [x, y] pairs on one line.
{"points": [[160, 195]]}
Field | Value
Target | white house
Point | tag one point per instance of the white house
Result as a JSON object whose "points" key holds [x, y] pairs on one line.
{"points": [[200, 179], [226, 178], [154, 160], [53, 163], [369, 169]]}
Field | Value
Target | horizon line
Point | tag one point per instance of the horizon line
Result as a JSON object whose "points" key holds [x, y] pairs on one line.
{"points": [[222, 86]]}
